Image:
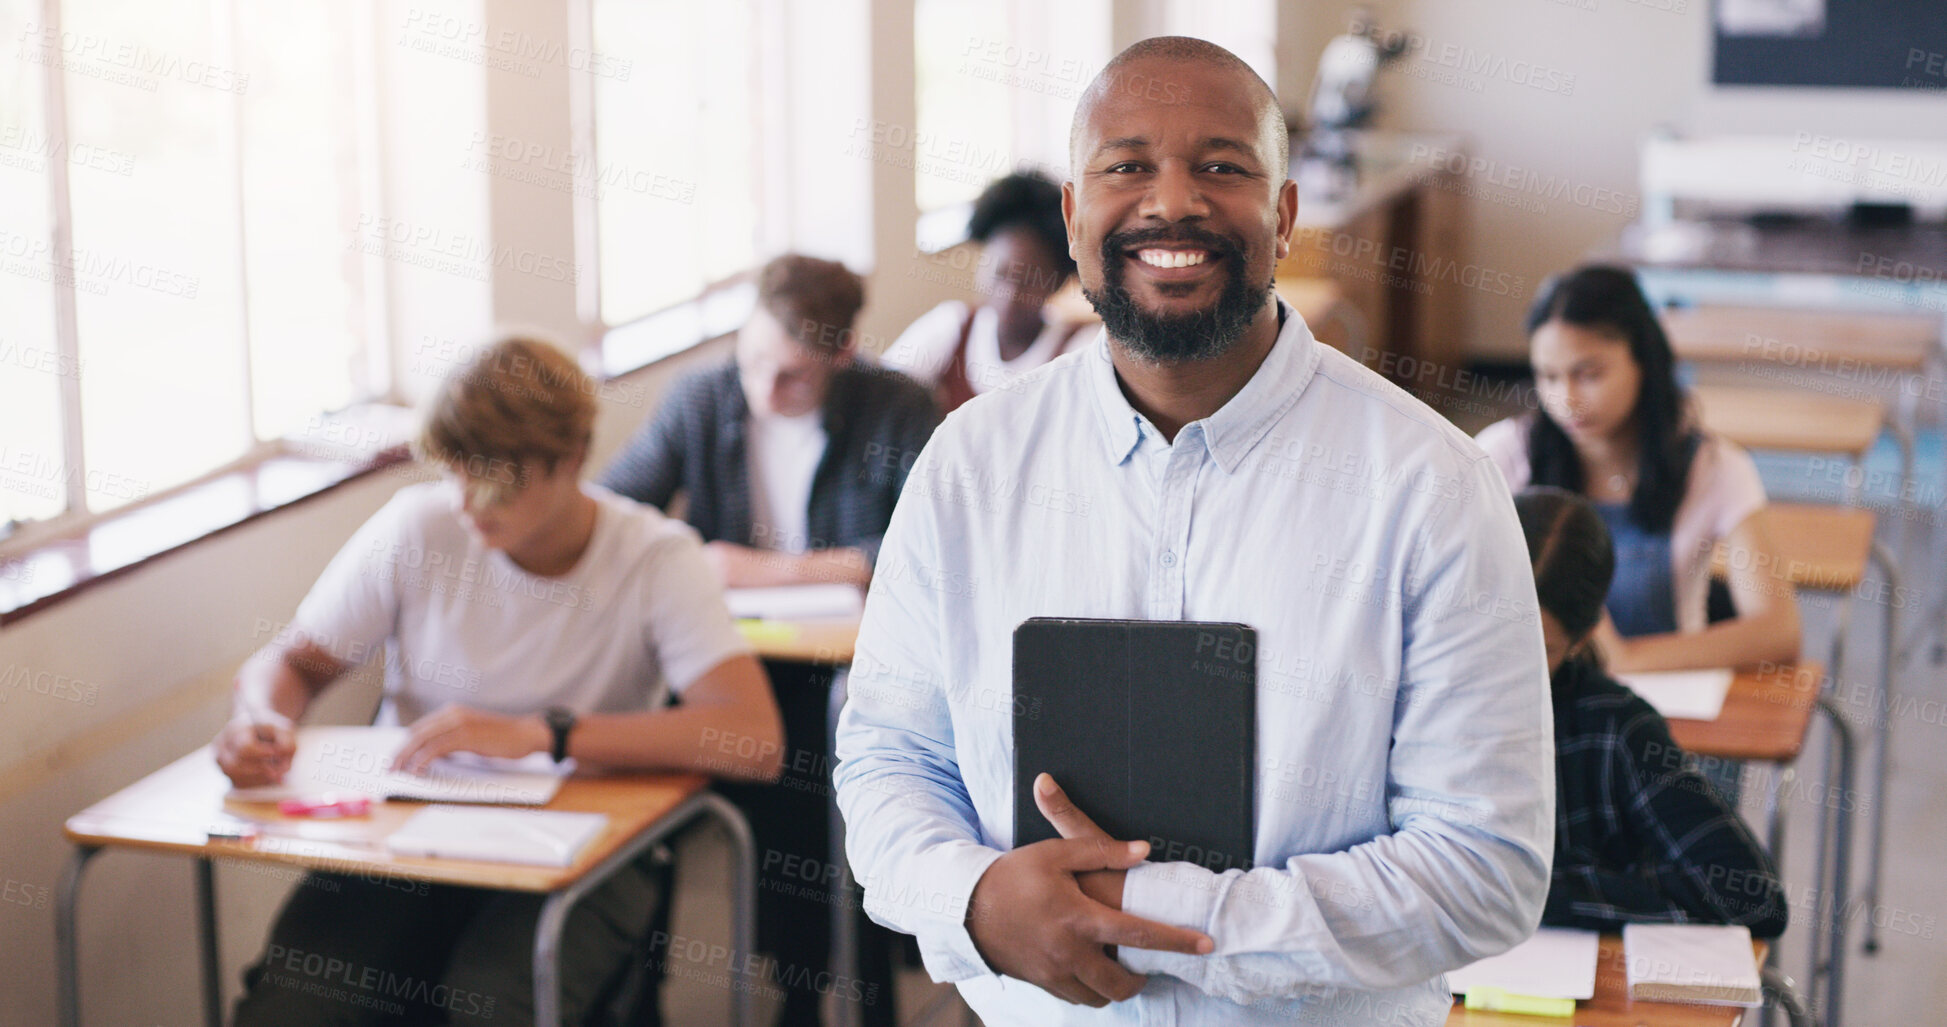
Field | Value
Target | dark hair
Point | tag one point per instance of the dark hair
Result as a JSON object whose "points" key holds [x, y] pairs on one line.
{"points": [[1608, 300], [815, 301], [1027, 201], [1569, 550]]}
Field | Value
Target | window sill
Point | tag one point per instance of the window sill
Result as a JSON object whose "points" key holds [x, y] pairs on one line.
{"points": [[331, 452], [60, 568]]}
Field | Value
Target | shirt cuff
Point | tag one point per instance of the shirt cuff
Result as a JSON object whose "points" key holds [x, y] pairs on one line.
{"points": [[948, 951], [1177, 894]]}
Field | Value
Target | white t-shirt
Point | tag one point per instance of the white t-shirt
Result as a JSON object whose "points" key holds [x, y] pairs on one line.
{"points": [[638, 615], [925, 348], [1724, 489], [782, 455]]}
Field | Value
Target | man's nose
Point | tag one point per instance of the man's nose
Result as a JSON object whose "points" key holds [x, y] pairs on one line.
{"points": [[1174, 194]]}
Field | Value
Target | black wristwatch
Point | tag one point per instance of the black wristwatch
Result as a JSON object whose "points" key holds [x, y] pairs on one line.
{"points": [[561, 720]]}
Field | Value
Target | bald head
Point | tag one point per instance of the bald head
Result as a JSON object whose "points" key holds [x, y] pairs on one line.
{"points": [[1128, 74]]}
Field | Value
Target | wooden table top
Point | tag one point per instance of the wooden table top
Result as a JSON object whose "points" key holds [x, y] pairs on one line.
{"points": [[1818, 339], [1765, 716], [1790, 419], [1611, 1006], [171, 810], [1824, 547], [823, 641]]}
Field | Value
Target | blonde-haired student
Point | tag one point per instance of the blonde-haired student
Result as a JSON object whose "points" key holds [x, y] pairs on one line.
{"points": [[519, 610]]}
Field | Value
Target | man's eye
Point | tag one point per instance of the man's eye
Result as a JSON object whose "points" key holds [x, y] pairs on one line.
{"points": [[1225, 169], [1123, 167]]}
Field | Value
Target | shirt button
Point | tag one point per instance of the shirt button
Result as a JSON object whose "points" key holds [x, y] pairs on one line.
{"points": [[1169, 559]]}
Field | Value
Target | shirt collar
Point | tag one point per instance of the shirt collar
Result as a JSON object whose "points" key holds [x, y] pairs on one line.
{"points": [[1237, 426]]}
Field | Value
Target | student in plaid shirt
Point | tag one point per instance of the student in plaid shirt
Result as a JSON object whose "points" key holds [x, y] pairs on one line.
{"points": [[1639, 836]]}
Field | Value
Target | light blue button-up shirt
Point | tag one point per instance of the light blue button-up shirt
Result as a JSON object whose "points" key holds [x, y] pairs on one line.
{"points": [[1405, 784]]}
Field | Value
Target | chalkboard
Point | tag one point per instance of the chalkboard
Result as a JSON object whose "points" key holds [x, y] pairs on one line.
{"points": [[1877, 44]]}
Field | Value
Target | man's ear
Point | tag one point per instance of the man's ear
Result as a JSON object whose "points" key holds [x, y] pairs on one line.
{"points": [[1068, 218], [1287, 216]]}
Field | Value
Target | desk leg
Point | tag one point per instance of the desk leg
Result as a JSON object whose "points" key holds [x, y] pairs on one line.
{"points": [[206, 939], [547, 957], [743, 871], [1882, 743], [1779, 988], [743, 906], [1829, 965], [67, 947]]}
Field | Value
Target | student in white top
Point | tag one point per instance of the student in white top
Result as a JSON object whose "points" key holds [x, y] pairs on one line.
{"points": [[1614, 426], [519, 611], [960, 351]]}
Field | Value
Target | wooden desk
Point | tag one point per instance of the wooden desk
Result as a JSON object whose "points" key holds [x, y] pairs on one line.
{"points": [[824, 642], [1393, 243], [1611, 1006], [1813, 338], [1765, 717], [1790, 419], [172, 809], [1824, 547]]}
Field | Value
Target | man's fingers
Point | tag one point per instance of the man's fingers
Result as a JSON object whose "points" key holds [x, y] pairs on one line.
{"points": [[1108, 978], [1114, 928], [1070, 989], [1098, 853], [1069, 821]]}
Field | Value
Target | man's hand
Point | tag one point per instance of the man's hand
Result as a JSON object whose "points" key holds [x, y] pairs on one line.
{"points": [[1104, 886], [1030, 920], [465, 729], [255, 752]]}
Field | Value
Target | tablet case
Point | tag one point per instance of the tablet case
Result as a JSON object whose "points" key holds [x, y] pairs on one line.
{"points": [[1149, 726]]}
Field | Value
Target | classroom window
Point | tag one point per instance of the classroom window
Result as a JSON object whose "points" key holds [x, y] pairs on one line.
{"points": [[200, 160], [677, 174], [996, 84]]}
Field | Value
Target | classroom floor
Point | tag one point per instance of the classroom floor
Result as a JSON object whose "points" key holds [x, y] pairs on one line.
{"points": [[1904, 983]]}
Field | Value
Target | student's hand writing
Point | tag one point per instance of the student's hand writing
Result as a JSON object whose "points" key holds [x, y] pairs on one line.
{"points": [[1030, 920], [465, 729], [1104, 886], [254, 752]]}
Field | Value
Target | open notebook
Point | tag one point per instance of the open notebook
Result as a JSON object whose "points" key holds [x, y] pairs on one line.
{"points": [[358, 761]]}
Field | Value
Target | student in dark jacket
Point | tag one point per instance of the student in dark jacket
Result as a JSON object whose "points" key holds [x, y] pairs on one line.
{"points": [[1639, 836], [792, 455]]}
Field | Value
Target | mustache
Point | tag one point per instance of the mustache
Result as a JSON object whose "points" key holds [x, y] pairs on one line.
{"points": [[1136, 238]]}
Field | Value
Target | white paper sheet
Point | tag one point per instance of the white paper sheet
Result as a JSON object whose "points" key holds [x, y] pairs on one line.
{"points": [[1557, 962], [795, 602], [1682, 694], [358, 761]]}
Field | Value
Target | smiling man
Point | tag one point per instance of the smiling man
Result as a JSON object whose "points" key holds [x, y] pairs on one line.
{"points": [[1206, 459]]}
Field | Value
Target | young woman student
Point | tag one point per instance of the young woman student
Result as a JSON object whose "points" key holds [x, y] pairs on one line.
{"points": [[960, 351], [1638, 836], [520, 611], [1614, 426]]}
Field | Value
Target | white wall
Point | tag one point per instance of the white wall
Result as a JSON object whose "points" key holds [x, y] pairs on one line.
{"points": [[1635, 65]]}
